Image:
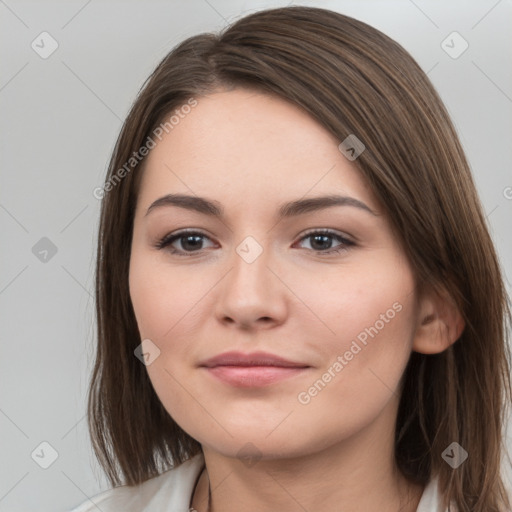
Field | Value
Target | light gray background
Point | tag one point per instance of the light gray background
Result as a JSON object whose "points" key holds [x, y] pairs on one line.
{"points": [[60, 119]]}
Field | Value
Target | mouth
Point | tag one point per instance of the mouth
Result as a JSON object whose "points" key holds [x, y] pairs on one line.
{"points": [[252, 370]]}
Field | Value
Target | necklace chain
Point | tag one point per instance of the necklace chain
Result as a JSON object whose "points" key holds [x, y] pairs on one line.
{"points": [[209, 495], [192, 509]]}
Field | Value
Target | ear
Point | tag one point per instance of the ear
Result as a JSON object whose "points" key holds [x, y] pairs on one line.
{"points": [[440, 323]]}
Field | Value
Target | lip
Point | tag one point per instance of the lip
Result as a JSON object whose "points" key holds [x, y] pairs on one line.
{"points": [[252, 370], [234, 358]]}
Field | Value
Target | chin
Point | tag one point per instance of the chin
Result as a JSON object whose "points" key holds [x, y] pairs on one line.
{"points": [[250, 450], [254, 442]]}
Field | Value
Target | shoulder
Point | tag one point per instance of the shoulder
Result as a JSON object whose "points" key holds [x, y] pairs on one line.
{"points": [[431, 499], [172, 490]]}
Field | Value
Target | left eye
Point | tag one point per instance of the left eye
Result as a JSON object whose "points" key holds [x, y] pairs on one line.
{"points": [[191, 241], [320, 238]]}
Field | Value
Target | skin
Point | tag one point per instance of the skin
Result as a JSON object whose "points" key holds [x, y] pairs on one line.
{"points": [[252, 152]]}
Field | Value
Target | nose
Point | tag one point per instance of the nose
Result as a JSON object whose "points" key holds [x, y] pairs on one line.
{"points": [[251, 295]]}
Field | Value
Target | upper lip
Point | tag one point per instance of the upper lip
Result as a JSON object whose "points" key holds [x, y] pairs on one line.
{"points": [[253, 359]]}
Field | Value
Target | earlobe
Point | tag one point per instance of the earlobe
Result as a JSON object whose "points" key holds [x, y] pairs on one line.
{"points": [[439, 324]]}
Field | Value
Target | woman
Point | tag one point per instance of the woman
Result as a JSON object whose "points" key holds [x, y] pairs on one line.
{"points": [[299, 304]]}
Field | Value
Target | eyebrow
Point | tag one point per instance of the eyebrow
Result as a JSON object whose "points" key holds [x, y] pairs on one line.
{"points": [[286, 210]]}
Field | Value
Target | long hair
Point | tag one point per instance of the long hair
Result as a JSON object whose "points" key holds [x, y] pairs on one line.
{"points": [[352, 79]]}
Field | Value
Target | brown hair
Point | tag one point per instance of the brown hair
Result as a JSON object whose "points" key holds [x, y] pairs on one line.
{"points": [[352, 79]]}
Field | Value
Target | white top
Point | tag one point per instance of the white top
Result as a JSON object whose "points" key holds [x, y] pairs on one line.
{"points": [[172, 492]]}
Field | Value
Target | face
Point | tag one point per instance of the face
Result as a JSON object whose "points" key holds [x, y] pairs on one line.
{"points": [[325, 288]]}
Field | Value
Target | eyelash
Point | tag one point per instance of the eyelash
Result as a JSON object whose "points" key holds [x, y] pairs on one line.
{"points": [[167, 240]]}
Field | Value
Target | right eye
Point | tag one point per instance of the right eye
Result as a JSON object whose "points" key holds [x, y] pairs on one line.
{"points": [[190, 241]]}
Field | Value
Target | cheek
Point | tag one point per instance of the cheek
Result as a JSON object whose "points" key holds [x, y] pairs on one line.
{"points": [[363, 362], [164, 303], [369, 303], [372, 313], [162, 298]]}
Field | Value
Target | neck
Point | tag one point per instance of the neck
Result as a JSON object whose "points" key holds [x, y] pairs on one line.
{"points": [[356, 474]]}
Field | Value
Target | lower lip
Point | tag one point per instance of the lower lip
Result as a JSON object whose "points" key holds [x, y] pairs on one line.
{"points": [[253, 376]]}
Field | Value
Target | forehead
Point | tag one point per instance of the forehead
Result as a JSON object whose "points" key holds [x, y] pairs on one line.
{"points": [[250, 146]]}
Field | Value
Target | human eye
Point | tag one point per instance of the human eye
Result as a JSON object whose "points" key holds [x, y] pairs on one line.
{"points": [[189, 239], [191, 242], [323, 237]]}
